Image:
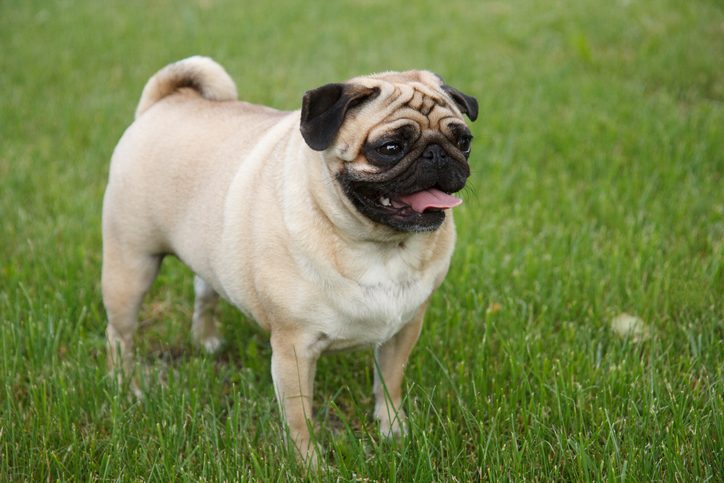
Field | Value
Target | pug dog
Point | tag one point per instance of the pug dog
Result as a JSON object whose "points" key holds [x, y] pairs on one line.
{"points": [[330, 226]]}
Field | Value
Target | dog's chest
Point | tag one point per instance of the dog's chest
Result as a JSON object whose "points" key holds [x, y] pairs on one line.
{"points": [[379, 302]]}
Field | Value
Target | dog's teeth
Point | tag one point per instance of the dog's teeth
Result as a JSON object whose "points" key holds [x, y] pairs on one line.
{"points": [[385, 201]]}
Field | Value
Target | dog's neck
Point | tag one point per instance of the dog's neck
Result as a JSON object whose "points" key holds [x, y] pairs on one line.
{"points": [[338, 209]]}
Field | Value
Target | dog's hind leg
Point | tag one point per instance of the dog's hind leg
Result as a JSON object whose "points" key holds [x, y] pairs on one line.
{"points": [[126, 278], [204, 327]]}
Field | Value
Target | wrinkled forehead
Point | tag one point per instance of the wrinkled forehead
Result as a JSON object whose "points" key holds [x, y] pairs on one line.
{"points": [[415, 95]]}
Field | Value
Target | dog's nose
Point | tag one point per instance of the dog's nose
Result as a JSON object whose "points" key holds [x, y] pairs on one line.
{"points": [[444, 171], [435, 152]]}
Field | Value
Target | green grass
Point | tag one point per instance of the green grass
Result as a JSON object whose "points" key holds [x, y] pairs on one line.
{"points": [[596, 190]]}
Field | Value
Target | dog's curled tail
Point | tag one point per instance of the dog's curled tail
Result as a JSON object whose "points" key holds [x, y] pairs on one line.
{"points": [[199, 73]]}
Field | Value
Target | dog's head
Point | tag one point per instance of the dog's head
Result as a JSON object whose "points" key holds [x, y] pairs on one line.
{"points": [[397, 143]]}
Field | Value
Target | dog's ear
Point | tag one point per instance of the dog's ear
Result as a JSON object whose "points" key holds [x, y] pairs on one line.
{"points": [[467, 104], [324, 108]]}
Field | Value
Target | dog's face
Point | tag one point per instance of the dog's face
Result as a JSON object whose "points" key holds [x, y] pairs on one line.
{"points": [[397, 143]]}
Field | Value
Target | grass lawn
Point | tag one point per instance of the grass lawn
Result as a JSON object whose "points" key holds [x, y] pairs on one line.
{"points": [[596, 191]]}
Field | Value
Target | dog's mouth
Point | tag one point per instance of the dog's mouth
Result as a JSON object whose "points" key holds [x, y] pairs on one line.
{"points": [[431, 199], [418, 211]]}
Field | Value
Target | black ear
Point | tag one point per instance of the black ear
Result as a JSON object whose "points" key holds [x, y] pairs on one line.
{"points": [[324, 108], [467, 104]]}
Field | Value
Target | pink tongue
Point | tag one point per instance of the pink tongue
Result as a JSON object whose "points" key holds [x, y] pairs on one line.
{"points": [[431, 198]]}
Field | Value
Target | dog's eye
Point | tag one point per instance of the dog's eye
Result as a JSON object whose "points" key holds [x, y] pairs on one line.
{"points": [[390, 149], [464, 144]]}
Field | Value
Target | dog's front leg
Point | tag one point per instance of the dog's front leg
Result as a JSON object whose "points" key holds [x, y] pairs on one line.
{"points": [[294, 361], [391, 359]]}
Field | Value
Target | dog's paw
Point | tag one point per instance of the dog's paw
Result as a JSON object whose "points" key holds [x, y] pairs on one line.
{"points": [[309, 454], [206, 334], [211, 344], [136, 391], [392, 425]]}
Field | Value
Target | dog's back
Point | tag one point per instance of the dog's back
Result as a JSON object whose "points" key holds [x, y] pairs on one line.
{"points": [[173, 166]]}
